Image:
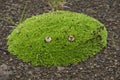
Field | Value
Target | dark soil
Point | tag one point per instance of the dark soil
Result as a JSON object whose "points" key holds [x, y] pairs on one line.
{"points": [[104, 66]]}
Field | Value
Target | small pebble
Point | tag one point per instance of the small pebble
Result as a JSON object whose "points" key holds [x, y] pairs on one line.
{"points": [[29, 72], [80, 68], [12, 26], [18, 76], [60, 68], [4, 53], [71, 38], [3, 67], [10, 59], [48, 39]]}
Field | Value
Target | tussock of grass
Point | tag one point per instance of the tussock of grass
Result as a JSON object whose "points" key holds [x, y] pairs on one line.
{"points": [[28, 43]]}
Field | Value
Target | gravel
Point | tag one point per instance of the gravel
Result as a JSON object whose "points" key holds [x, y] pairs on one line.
{"points": [[104, 66]]}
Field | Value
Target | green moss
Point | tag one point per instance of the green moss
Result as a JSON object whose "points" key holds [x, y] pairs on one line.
{"points": [[27, 41]]}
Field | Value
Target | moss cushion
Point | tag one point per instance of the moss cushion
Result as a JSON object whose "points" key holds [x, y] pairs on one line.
{"points": [[57, 38]]}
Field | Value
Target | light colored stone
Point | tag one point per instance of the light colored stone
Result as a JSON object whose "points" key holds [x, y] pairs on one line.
{"points": [[60, 68]]}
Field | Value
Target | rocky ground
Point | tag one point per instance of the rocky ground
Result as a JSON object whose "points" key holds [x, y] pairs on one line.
{"points": [[104, 66]]}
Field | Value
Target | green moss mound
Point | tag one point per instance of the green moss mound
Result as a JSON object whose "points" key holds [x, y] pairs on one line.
{"points": [[27, 41]]}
